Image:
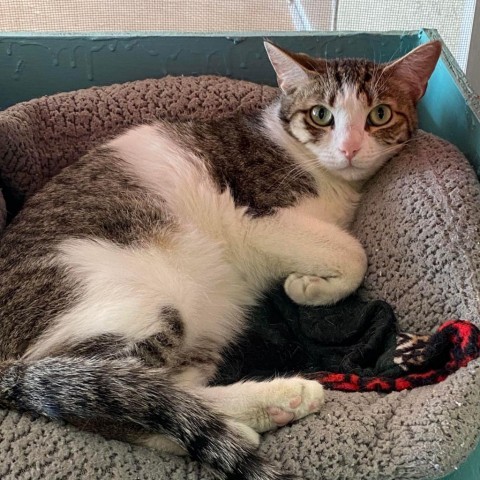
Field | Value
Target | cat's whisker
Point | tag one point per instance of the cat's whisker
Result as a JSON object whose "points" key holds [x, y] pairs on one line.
{"points": [[392, 148], [377, 87], [379, 82], [295, 172], [288, 176], [292, 175], [310, 163], [394, 54], [376, 68]]}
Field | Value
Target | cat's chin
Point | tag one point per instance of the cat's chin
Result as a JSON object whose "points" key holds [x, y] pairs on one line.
{"points": [[352, 173], [361, 170]]}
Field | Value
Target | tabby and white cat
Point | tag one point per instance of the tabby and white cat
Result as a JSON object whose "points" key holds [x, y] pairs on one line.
{"points": [[126, 276]]}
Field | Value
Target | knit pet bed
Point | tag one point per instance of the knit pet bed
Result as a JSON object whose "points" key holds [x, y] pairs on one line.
{"points": [[419, 223]]}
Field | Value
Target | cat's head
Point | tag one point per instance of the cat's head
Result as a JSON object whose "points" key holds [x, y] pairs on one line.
{"points": [[352, 114]]}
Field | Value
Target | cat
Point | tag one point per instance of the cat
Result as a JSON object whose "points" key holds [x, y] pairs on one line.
{"points": [[127, 275]]}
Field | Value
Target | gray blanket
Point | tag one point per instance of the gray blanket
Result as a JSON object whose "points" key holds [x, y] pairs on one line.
{"points": [[419, 223]]}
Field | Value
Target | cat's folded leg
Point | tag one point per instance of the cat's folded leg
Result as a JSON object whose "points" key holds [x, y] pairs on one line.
{"points": [[266, 405], [322, 262]]}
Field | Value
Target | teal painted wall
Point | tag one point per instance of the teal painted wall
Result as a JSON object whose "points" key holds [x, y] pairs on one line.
{"points": [[32, 66], [450, 109]]}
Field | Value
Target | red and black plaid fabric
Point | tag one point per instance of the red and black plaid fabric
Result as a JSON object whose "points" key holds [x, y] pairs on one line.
{"points": [[456, 341]]}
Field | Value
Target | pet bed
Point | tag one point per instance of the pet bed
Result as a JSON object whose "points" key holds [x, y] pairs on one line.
{"points": [[419, 222]]}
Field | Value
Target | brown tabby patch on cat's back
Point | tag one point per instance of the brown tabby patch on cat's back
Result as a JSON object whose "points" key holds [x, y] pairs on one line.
{"points": [[263, 177]]}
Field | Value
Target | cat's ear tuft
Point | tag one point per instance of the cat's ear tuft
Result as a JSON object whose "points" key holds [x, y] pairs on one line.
{"points": [[416, 67], [290, 73]]}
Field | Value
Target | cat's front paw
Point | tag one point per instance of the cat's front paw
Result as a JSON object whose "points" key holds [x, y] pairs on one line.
{"points": [[309, 289]]}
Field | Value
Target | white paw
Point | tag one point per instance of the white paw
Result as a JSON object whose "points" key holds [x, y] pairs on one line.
{"points": [[248, 433], [162, 444], [289, 399], [308, 289]]}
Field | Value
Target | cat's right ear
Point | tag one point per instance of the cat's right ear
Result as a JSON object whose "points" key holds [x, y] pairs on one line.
{"points": [[415, 68], [290, 73]]}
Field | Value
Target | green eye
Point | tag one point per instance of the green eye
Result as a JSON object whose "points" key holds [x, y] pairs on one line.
{"points": [[321, 115], [380, 115]]}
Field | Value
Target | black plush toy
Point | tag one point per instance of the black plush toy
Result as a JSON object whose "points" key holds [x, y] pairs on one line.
{"points": [[352, 345]]}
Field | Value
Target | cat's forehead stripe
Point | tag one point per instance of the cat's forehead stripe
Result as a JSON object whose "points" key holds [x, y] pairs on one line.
{"points": [[341, 72], [350, 93]]}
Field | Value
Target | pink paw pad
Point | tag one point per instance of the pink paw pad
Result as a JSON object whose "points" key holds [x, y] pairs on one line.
{"points": [[314, 406], [295, 401], [279, 416]]}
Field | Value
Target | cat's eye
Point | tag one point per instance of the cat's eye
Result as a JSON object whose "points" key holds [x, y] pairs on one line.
{"points": [[380, 115], [321, 115]]}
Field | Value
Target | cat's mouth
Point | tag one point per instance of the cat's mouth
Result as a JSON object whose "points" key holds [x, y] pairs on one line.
{"points": [[348, 166], [351, 171]]}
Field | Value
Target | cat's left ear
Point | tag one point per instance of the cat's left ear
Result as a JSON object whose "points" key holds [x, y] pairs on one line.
{"points": [[415, 68], [291, 68]]}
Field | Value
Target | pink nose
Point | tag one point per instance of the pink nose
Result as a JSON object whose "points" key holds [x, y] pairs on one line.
{"points": [[351, 143], [349, 153]]}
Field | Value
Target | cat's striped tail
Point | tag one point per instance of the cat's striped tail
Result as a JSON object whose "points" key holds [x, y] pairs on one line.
{"points": [[141, 400]]}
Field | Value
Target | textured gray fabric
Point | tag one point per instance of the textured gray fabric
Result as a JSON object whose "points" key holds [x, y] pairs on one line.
{"points": [[419, 222], [3, 212]]}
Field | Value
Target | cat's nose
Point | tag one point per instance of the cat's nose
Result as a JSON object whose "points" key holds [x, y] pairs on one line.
{"points": [[350, 145], [349, 153]]}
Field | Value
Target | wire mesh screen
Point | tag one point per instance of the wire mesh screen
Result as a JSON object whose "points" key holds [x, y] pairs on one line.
{"points": [[147, 15], [453, 18]]}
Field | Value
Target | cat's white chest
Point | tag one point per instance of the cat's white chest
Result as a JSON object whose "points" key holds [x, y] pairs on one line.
{"points": [[335, 204]]}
